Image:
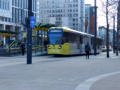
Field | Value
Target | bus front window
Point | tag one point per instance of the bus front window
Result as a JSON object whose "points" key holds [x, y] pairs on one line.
{"points": [[55, 38], [60, 41]]}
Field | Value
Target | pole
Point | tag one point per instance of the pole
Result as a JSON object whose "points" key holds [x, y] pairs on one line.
{"points": [[95, 28], [108, 41], [29, 34], [113, 34], [107, 33], [118, 27]]}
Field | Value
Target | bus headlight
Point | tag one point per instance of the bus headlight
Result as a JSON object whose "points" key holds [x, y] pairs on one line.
{"points": [[48, 47], [60, 47]]}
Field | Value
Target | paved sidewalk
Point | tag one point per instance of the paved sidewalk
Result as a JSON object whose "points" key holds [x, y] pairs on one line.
{"points": [[111, 82], [108, 83], [57, 73]]}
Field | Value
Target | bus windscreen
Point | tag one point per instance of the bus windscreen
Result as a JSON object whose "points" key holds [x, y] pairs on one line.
{"points": [[54, 35]]}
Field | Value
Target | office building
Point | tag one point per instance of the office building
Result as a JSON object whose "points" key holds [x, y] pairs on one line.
{"points": [[13, 14], [66, 13], [89, 19], [102, 33]]}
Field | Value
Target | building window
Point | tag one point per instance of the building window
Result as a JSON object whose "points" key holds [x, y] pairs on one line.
{"points": [[4, 4]]}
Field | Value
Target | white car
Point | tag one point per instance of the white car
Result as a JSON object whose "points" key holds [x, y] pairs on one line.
{"points": [[104, 48]]}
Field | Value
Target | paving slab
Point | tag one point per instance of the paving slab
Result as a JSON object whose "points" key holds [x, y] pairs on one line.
{"points": [[108, 83], [53, 73]]}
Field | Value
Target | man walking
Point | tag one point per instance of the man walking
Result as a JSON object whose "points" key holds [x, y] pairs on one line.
{"points": [[87, 50]]}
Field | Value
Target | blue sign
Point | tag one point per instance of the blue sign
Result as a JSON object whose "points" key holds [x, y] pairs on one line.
{"points": [[32, 22], [56, 31]]}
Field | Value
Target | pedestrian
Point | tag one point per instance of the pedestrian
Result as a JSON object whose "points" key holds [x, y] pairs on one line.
{"points": [[87, 50], [45, 44], [1, 44], [22, 48]]}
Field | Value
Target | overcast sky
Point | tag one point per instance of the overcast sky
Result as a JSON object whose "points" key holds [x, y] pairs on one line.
{"points": [[101, 15]]}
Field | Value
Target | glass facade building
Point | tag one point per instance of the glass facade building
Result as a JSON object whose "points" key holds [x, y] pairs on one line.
{"points": [[89, 19], [13, 14], [68, 13], [19, 10], [102, 33], [4, 4], [5, 9]]}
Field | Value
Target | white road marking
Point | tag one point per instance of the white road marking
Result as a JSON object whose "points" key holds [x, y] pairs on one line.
{"points": [[88, 83]]}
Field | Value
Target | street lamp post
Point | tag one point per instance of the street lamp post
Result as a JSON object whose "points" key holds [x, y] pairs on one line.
{"points": [[95, 28], [113, 34], [29, 34], [107, 32], [118, 27]]}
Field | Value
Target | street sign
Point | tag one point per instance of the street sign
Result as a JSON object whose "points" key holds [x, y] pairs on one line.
{"points": [[32, 22]]}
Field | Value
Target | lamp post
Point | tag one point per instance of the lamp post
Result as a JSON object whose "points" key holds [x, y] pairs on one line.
{"points": [[107, 32], [29, 34], [95, 29], [118, 27], [113, 34]]}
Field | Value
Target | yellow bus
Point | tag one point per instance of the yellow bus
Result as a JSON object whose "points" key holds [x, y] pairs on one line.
{"points": [[65, 41]]}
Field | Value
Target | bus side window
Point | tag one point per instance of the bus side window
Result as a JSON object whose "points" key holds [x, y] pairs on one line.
{"points": [[66, 37], [67, 40], [62, 41], [81, 40]]}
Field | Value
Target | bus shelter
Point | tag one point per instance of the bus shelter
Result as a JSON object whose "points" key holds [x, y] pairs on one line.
{"points": [[6, 41], [10, 41]]}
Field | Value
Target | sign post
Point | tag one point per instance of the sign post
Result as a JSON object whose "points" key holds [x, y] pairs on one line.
{"points": [[31, 24], [95, 28]]}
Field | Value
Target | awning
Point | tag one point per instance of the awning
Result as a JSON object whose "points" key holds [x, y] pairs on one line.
{"points": [[7, 33], [43, 27]]}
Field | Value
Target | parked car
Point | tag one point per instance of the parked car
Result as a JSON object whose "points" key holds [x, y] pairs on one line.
{"points": [[104, 48]]}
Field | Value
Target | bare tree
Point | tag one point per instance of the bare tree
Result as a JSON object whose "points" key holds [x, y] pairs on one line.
{"points": [[107, 23], [116, 7], [110, 11]]}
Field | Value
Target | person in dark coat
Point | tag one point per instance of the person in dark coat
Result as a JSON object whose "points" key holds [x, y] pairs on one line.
{"points": [[1, 44], [22, 48], [45, 44], [87, 50]]}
